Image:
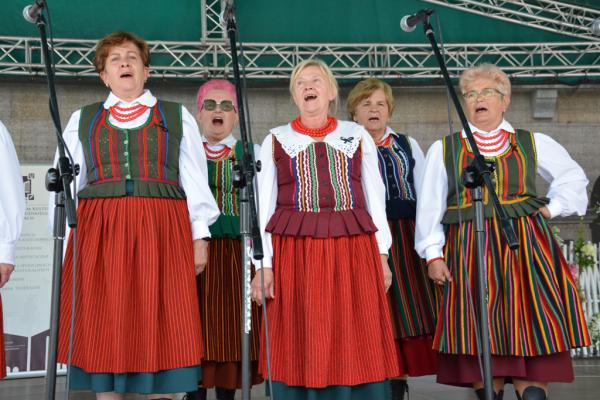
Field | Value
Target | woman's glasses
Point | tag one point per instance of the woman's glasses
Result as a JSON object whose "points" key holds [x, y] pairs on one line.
{"points": [[211, 105], [484, 94]]}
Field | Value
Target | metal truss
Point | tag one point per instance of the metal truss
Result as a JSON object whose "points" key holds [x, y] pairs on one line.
{"points": [[210, 19], [269, 61], [549, 15]]}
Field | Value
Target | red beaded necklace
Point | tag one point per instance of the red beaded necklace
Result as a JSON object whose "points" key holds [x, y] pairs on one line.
{"points": [[123, 114], [216, 154], [492, 143], [315, 132]]}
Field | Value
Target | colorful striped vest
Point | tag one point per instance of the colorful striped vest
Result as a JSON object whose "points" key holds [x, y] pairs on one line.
{"points": [[132, 162], [397, 164], [319, 193], [513, 178], [221, 185]]}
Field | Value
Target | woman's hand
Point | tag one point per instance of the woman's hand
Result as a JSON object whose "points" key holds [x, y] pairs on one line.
{"points": [[5, 271], [438, 272], [256, 291], [200, 255], [545, 212], [387, 272]]}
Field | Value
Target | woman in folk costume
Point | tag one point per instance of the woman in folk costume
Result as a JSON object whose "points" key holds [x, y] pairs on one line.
{"points": [[535, 315], [12, 212], [143, 214], [326, 241], [219, 286], [412, 296]]}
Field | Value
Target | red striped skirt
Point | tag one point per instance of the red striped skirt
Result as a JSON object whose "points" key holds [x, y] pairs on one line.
{"points": [[220, 295], [413, 302], [534, 307], [136, 300], [329, 321], [2, 354]]}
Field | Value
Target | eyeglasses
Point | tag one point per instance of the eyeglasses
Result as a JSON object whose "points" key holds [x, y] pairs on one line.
{"points": [[485, 93], [211, 105]]}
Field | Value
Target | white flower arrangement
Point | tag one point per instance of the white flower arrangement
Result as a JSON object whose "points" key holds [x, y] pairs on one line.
{"points": [[594, 328]]}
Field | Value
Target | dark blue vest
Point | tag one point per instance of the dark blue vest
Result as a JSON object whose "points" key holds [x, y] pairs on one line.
{"points": [[396, 165]]}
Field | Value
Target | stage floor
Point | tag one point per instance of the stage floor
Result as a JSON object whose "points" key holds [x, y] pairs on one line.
{"points": [[585, 387]]}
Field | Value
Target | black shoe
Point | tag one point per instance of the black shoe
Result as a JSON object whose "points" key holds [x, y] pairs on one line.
{"points": [[399, 387], [481, 394], [532, 393], [199, 394], [225, 394]]}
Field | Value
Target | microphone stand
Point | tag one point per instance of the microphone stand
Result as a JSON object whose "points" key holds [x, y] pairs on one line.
{"points": [[243, 179], [474, 177], [58, 180]]}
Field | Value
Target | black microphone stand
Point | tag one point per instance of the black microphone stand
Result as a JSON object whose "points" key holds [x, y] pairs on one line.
{"points": [[243, 179], [475, 176], [58, 180]]}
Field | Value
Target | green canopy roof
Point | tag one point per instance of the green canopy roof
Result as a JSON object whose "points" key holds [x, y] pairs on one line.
{"points": [[316, 21], [282, 32]]}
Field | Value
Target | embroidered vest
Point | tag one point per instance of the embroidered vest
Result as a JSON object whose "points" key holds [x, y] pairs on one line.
{"points": [[319, 193], [513, 178], [221, 185], [143, 161], [396, 165]]}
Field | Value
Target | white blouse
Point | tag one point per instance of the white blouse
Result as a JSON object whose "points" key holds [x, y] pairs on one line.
{"points": [[193, 171], [12, 198], [293, 143], [567, 192]]}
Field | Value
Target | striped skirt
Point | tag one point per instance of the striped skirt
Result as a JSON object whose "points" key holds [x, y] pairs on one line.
{"points": [[220, 296], [329, 321], [136, 300], [413, 300], [2, 354], [534, 308]]}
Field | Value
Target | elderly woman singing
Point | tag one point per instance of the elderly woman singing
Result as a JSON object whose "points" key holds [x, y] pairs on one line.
{"points": [[326, 241], [535, 315], [412, 298], [144, 210], [219, 286]]}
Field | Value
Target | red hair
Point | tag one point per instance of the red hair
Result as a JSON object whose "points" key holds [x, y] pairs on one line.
{"points": [[117, 39], [216, 84]]}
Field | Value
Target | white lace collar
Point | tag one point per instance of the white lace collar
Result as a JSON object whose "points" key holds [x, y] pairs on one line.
{"points": [[346, 138]]}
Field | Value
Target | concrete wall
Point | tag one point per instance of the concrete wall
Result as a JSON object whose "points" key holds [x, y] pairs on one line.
{"points": [[420, 112]]}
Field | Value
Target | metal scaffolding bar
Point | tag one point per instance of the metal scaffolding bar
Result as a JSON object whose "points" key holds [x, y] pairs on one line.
{"points": [[275, 61], [212, 28], [549, 15]]}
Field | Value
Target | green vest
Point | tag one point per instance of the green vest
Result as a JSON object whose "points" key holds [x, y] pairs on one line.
{"points": [[132, 162], [513, 178], [221, 185]]}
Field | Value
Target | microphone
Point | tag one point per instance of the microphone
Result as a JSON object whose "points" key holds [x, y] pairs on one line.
{"points": [[32, 12], [596, 27], [409, 22], [227, 13]]}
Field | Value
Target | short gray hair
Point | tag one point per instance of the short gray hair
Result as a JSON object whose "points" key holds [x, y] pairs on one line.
{"points": [[485, 71]]}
